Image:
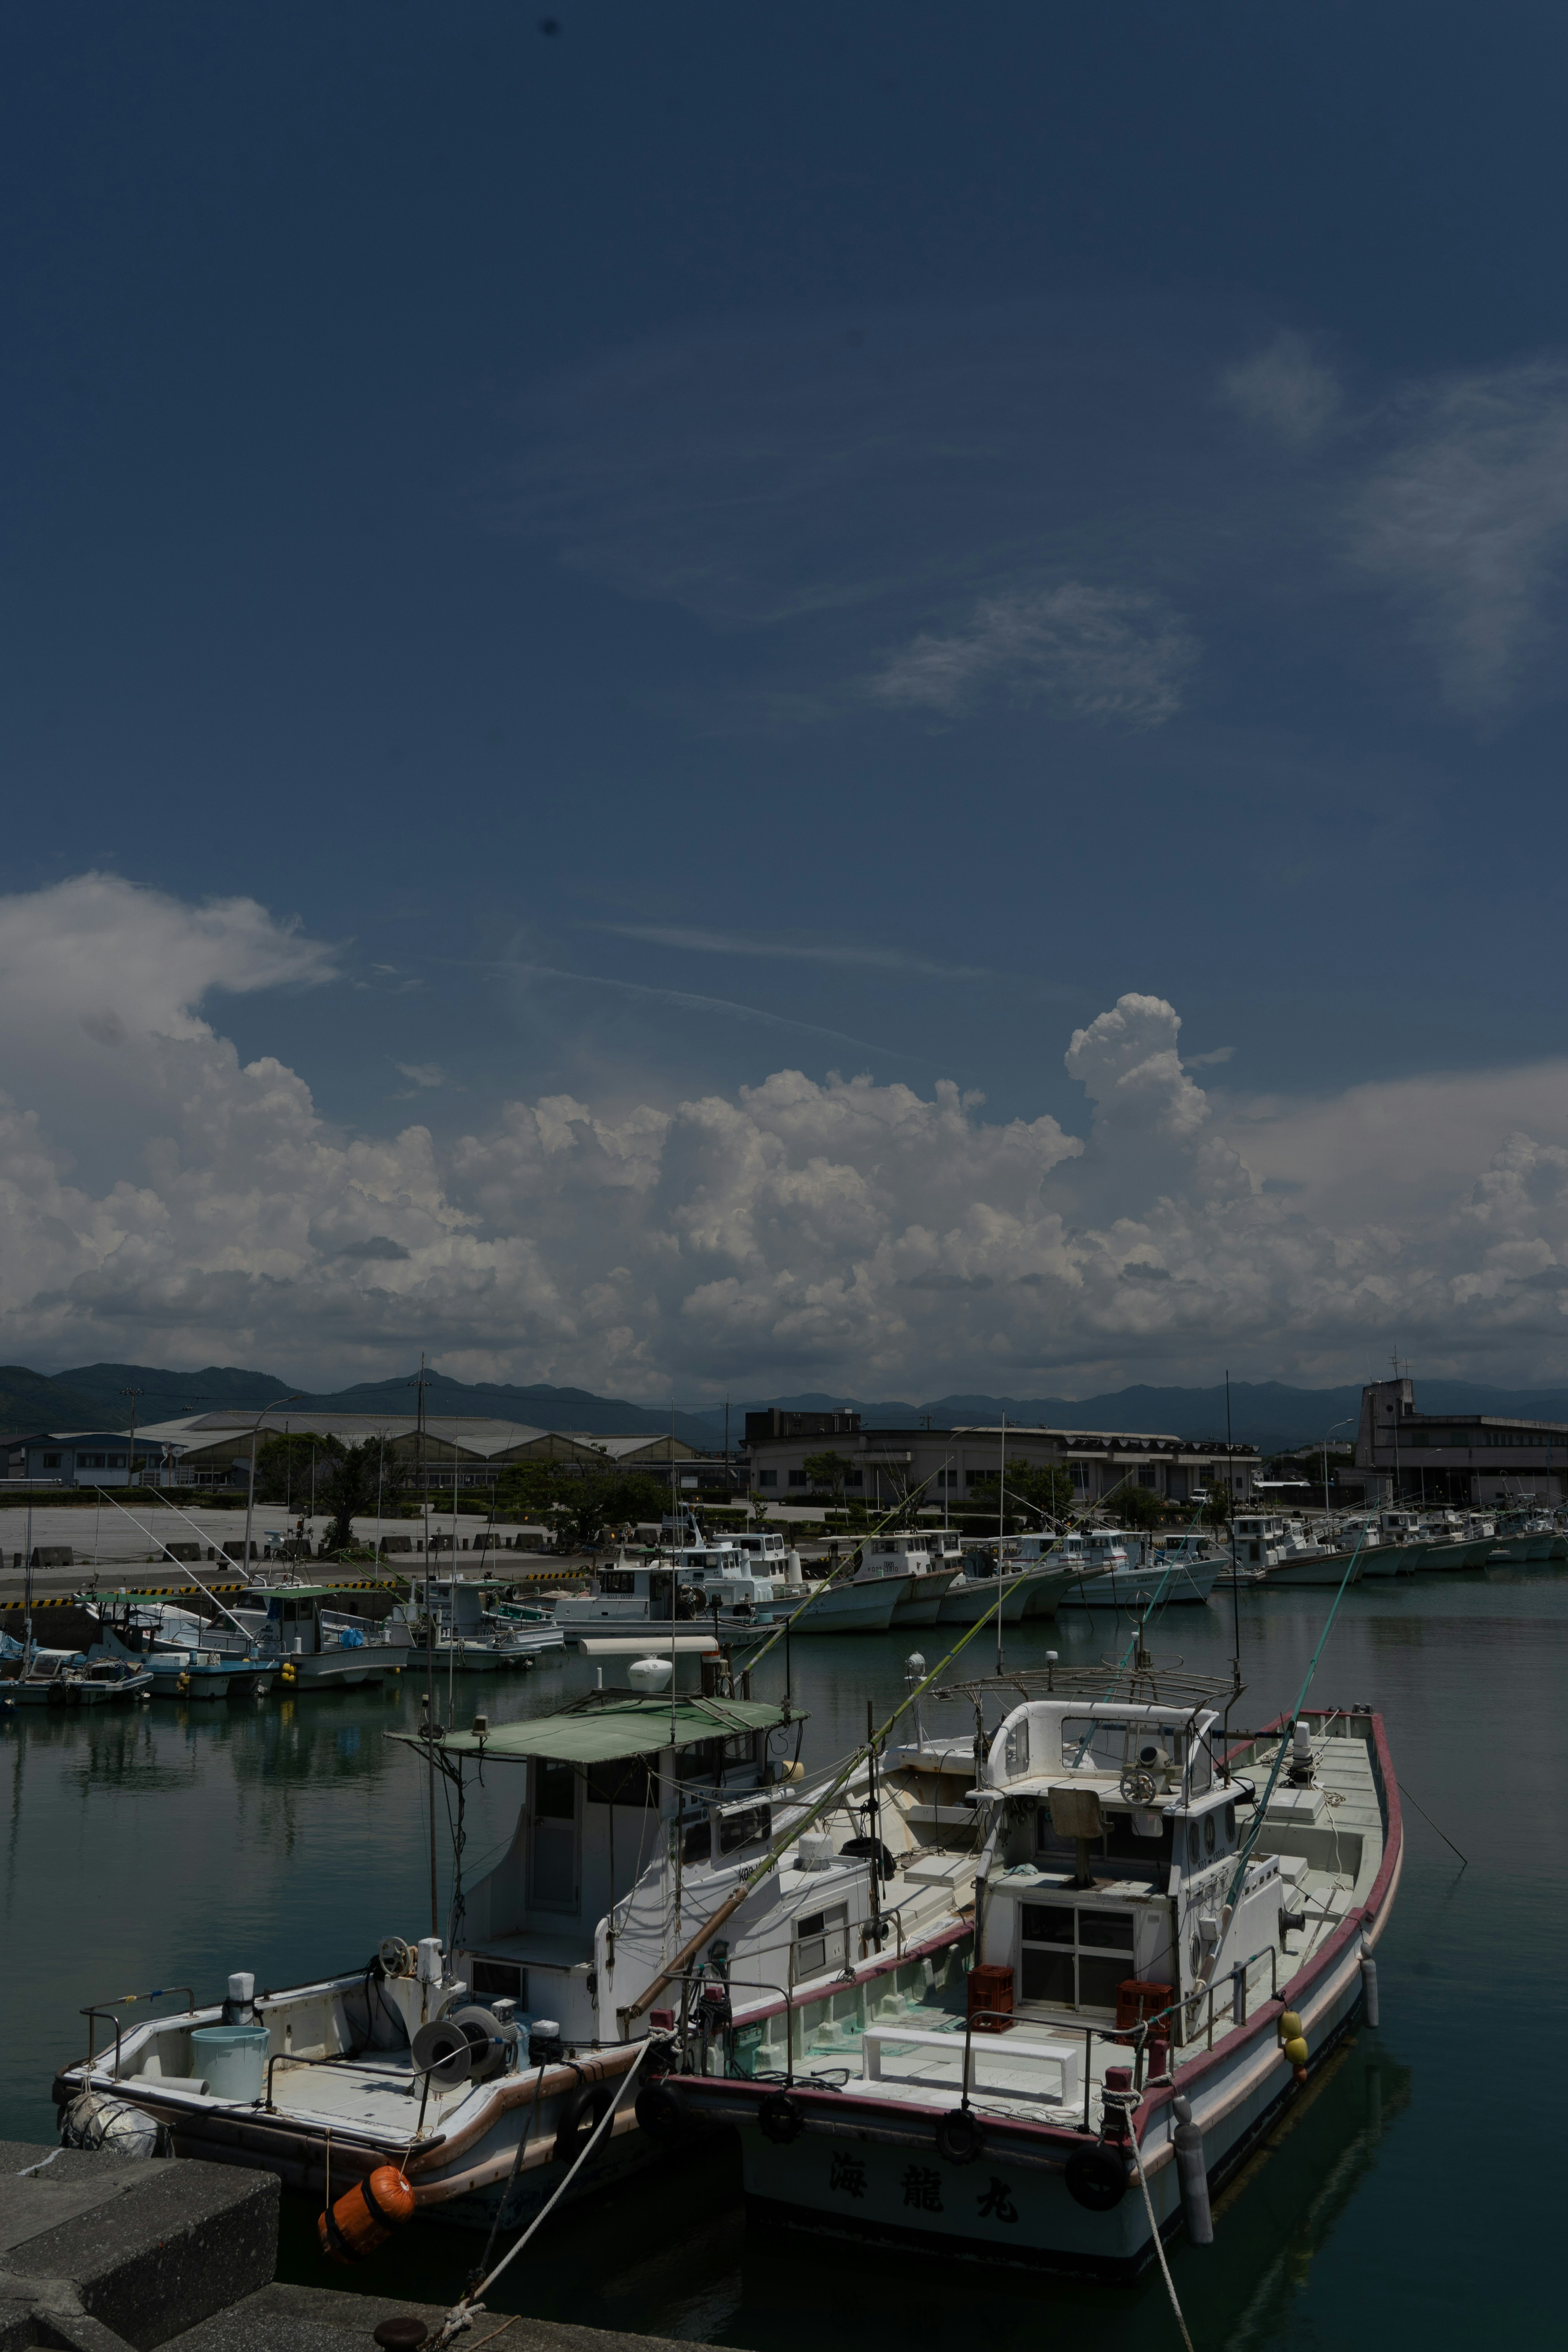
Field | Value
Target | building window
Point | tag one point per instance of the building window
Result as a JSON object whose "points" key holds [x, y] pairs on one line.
{"points": [[797, 1477], [112, 1461], [767, 1477], [88, 1461], [1146, 1477], [854, 1478], [51, 1461]]}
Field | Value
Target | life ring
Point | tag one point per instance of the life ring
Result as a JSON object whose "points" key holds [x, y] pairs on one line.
{"points": [[960, 2135], [1095, 2178], [584, 2110], [779, 2120]]}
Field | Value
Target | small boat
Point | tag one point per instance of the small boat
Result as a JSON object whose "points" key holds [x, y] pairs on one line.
{"points": [[186, 1657], [1173, 1940], [710, 1584], [480, 2064], [1110, 1576], [862, 1565], [473, 1627], [70, 1678], [308, 1646]]}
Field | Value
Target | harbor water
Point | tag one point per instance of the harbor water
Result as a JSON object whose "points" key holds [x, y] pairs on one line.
{"points": [[1410, 2195]]}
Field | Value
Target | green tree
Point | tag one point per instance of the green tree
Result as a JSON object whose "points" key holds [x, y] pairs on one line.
{"points": [[594, 1503], [1217, 1510], [348, 1489], [1136, 1506], [1039, 1486], [829, 1470], [283, 1466]]}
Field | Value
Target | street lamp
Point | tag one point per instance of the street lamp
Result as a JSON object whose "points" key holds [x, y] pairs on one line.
{"points": [[1326, 1434], [277, 1405]]}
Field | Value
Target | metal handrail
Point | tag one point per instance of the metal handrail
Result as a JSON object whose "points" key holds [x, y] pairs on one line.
{"points": [[123, 2000]]}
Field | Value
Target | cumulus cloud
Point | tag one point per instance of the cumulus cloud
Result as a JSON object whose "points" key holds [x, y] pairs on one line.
{"points": [[1466, 522], [1092, 653], [1286, 390], [421, 1074], [822, 1232]]}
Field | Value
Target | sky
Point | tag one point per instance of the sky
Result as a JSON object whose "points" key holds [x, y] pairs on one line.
{"points": [[759, 699]]}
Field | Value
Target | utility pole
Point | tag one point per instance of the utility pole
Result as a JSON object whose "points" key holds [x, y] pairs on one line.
{"points": [[130, 1454]]}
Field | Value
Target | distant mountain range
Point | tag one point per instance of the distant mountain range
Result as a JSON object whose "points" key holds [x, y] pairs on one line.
{"points": [[93, 1396], [1265, 1414]]}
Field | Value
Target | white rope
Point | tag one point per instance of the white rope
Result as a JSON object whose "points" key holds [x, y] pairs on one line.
{"points": [[1154, 2233], [462, 2314]]}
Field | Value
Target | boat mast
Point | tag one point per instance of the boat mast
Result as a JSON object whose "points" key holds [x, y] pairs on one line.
{"points": [[1001, 1538]]}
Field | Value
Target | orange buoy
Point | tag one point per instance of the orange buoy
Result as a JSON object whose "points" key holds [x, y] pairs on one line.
{"points": [[367, 2216]]}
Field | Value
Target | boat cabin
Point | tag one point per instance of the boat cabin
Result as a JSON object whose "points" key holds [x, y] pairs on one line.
{"points": [[1114, 1855], [610, 1786]]}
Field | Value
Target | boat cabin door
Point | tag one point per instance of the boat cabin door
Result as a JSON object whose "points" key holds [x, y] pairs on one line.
{"points": [[555, 1835]]}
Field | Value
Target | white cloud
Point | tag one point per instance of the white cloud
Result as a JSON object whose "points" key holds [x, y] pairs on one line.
{"points": [[1467, 523], [758, 944], [423, 1074], [1286, 390], [1089, 653], [835, 1232]]}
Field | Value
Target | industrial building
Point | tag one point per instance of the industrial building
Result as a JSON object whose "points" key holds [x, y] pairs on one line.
{"points": [[213, 1449], [948, 1464], [81, 1457], [1454, 1459]]}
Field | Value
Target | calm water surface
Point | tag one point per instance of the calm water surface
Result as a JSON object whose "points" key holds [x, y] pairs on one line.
{"points": [[1414, 2197]]}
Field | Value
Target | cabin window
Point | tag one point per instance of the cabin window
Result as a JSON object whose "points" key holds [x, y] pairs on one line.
{"points": [[1208, 1833], [498, 1981], [821, 1940], [1075, 1957], [625, 1780], [742, 1827], [617, 1580]]}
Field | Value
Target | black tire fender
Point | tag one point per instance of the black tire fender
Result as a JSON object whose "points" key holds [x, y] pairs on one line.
{"points": [[582, 2110], [1096, 2180], [960, 2135], [779, 2120], [659, 2114]]}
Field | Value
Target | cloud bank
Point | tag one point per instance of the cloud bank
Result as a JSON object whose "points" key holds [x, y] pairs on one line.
{"points": [[829, 1231]]}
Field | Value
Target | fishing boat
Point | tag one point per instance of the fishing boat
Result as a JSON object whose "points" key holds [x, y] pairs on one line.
{"points": [[917, 1564], [1108, 1576], [1031, 1589], [68, 1678], [699, 1580], [1278, 1551], [1166, 1938], [310, 1645], [468, 1625], [186, 1657], [639, 1892]]}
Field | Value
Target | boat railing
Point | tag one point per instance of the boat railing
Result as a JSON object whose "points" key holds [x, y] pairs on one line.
{"points": [[110, 2008]]}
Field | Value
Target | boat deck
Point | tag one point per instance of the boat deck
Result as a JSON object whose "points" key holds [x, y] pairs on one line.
{"points": [[1040, 2070]]}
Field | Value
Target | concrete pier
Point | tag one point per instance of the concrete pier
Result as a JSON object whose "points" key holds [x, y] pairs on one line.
{"points": [[101, 2253]]}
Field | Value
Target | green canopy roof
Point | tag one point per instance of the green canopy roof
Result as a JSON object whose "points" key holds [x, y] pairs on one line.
{"points": [[620, 1726]]}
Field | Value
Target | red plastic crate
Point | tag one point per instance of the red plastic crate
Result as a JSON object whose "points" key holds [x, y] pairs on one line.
{"points": [[991, 1986]]}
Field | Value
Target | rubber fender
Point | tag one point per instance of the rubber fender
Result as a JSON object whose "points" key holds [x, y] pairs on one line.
{"points": [[1369, 1989], [581, 2111], [779, 2120], [960, 2135], [367, 2216], [659, 2114], [1290, 2025], [1192, 2175], [1296, 2050], [1096, 2180]]}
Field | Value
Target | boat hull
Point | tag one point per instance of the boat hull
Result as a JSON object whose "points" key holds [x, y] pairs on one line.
{"points": [[970, 1599], [1123, 1587], [864, 1608], [926, 1596]]}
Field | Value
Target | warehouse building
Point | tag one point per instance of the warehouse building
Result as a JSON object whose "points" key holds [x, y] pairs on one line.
{"points": [[949, 1465]]}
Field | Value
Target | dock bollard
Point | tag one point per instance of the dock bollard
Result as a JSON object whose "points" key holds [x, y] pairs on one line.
{"points": [[1192, 2175]]}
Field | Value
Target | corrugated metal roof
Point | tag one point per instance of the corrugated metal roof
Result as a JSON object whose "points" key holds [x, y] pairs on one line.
{"points": [[629, 1727]]}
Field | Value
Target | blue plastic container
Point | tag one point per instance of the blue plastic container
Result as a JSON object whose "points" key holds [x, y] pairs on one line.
{"points": [[233, 2058]]}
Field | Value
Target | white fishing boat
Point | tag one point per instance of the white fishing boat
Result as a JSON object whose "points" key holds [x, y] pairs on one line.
{"points": [[186, 1657], [1031, 1589], [68, 1678], [1274, 1551], [308, 1644], [646, 1834], [714, 1584], [468, 1626], [1108, 1572], [862, 1567], [1173, 1940]]}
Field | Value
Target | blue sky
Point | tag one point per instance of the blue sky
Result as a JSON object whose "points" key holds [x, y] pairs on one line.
{"points": [[674, 549]]}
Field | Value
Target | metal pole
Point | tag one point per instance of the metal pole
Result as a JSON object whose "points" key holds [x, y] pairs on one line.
{"points": [[255, 1432], [1001, 1532]]}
